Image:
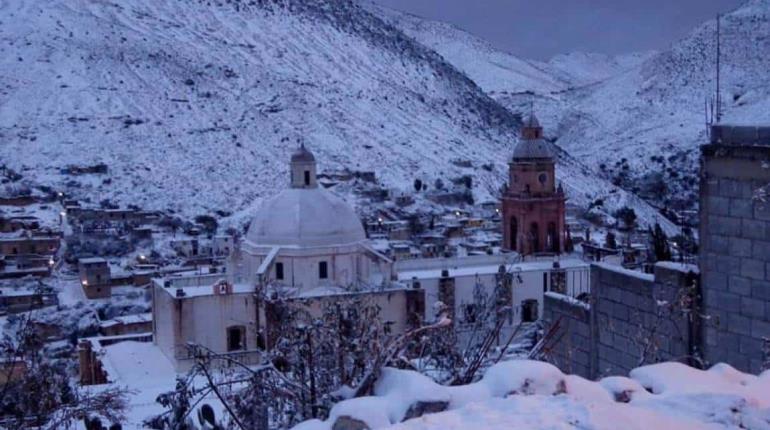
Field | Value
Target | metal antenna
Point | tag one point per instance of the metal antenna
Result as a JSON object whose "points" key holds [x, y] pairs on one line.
{"points": [[719, 92]]}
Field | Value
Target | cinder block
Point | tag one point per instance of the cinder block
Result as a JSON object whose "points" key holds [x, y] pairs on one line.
{"points": [[714, 280], [710, 336], [753, 308], [728, 341], [739, 285], [761, 250], [750, 346], [725, 188], [718, 205], [728, 263], [742, 208], [753, 269], [740, 247], [738, 360], [760, 329], [762, 211], [738, 324], [760, 290], [723, 225], [620, 311], [753, 229]]}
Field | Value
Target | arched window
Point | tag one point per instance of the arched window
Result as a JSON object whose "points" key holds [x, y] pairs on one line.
{"points": [[534, 237], [553, 238], [513, 231]]}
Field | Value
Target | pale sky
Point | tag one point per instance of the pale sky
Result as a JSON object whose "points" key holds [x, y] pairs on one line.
{"points": [[542, 28]]}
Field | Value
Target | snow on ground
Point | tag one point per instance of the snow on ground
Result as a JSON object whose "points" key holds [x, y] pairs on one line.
{"points": [[533, 395], [143, 369]]}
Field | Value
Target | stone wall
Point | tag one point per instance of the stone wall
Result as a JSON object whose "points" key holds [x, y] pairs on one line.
{"points": [[735, 246]]}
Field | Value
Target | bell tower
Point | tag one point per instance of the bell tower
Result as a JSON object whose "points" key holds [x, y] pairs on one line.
{"points": [[303, 168], [533, 204]]}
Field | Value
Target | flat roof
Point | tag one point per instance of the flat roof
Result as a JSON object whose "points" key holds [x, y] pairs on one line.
{"points": [[92, 260], [489, 269]]}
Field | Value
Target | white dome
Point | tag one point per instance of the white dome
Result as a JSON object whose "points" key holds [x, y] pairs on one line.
{"points": [[305, 217]]}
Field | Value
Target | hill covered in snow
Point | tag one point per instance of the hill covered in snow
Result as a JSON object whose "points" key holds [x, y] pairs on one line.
{"points": [[193, 107], [636, 120]]}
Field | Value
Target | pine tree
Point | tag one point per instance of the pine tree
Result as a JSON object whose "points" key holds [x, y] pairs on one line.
{"points": [[610, 241], [660, 247]]}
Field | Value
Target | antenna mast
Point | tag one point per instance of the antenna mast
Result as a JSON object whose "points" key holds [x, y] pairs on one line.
{"points": [[719, 93]]}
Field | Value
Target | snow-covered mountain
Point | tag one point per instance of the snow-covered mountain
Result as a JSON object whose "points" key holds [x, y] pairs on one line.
{"points": [[195, 106], [635, 119]]}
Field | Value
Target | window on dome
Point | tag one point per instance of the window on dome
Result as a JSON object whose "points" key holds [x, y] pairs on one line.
{"points": [[279, 271], [307, 177], [323, 270]]}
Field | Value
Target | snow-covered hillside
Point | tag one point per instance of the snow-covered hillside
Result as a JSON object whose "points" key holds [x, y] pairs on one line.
{"points": [[635, 119], [195, 106]]}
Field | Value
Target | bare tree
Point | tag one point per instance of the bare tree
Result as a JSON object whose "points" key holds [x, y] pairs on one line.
{"points": [[38, 392], [314, 362]]}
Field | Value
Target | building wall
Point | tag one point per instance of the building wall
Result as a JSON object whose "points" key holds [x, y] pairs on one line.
{"points": [[346, 266], [526, 285], [204, 319], [735, 251]]}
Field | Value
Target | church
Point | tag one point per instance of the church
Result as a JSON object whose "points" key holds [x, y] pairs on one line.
{"points": [[307, 246], [533, 218]]}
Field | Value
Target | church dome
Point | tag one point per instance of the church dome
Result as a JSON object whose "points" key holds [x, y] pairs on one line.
{"points": [[531, 144], [302, 155], [532, 148], [305, 217]]}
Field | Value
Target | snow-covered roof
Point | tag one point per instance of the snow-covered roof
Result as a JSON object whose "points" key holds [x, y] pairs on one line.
{"points": [[302, 155], [305, 217], [532, 148]]}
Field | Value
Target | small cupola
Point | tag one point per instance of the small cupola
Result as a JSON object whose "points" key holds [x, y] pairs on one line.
{"points": [[531, 129], [303, 168]]}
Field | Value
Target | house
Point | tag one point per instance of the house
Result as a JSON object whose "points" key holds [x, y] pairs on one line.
{"points": [[126, 324], [95, 277]]}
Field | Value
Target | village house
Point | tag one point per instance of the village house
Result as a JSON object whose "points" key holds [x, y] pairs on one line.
{"points": [[95, 277]]}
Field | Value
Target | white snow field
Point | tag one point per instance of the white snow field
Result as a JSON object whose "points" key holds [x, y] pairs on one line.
{"points": [[531, 395]]}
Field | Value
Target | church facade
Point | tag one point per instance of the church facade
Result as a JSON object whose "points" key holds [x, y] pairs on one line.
{"points": [[533, 220]]}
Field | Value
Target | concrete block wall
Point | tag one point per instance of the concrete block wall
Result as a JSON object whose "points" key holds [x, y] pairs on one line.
{"points": [[574, 353], [632, 319], [735, 253]]}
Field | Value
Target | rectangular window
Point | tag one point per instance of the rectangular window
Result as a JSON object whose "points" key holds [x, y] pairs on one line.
{"points": [[545, 282], [279, 271], [323, 270], [235, 337], [307, 177]]}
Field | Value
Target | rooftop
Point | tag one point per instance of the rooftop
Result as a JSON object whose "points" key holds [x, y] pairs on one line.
{"points": [[750, 135]]}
